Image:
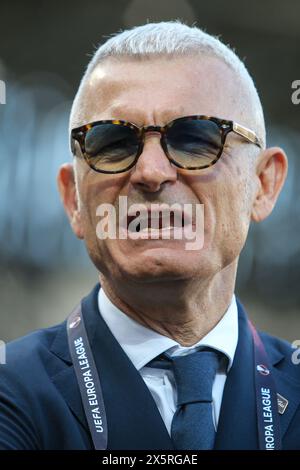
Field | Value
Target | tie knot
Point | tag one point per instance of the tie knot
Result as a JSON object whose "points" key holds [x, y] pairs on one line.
{"points": [[194, 374]]}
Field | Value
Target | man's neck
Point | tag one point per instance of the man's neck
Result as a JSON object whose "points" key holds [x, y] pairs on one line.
{"points": [[182, 310]]}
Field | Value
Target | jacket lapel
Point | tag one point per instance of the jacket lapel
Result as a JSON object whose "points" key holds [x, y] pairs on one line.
{"points": [[132, 415], [237, 428]]}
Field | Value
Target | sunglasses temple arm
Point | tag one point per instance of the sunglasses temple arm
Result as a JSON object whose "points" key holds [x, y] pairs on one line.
{"points": [[247, 134]]}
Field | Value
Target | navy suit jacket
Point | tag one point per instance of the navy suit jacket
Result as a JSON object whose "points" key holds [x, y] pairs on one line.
{"points": [[40, 403]]}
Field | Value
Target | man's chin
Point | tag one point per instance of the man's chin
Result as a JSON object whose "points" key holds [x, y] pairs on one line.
{"points": [[158, 265]]}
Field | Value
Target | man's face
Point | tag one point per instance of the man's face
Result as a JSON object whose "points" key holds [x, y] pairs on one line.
{"points": [[154, 92]]}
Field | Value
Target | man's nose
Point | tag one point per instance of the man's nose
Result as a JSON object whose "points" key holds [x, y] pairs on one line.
{"points": [[153, 168]]}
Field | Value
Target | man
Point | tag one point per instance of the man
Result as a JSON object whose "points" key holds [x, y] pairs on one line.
{"points": [[164, 114]]}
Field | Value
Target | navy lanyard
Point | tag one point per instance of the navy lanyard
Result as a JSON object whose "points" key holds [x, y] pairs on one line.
{"points": [[92, 397], [266, 398], [87, 378]]}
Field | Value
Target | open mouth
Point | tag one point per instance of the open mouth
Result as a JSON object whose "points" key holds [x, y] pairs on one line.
{"points": [[183, 224], [156, 221]]}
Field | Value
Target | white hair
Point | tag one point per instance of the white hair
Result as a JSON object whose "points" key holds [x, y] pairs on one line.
{"points": [[166, 38], [174, 38]]}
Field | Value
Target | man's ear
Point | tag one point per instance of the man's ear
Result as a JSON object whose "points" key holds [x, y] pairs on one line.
{"points": [[271, 173], [68, 194]]}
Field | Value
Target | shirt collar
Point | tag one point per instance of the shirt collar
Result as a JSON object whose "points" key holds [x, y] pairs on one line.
{"points": [[141, 344]]}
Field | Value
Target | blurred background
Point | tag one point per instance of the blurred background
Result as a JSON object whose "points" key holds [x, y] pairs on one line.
{"points": [[44, 49]]}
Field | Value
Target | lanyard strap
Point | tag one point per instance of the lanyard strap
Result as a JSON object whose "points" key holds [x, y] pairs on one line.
{"points": [[87, 378], [92, 397], [266, 398]]}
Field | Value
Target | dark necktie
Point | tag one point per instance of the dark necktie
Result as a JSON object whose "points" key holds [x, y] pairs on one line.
{"points": [[192, 425]]}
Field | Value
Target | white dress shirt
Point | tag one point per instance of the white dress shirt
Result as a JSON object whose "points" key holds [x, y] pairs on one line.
{"points": [[141, 344]]}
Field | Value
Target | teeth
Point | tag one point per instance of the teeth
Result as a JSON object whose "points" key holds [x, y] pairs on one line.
{"points": [[157, 223], [167, 228], [156, 229]]}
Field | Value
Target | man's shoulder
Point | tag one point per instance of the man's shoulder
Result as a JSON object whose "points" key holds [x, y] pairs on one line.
{"points": [[275, 343], [34, 381], [28, 355], [44, 351]]}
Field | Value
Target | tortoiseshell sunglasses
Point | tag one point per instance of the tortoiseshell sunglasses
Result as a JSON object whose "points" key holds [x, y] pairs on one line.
{"points": [[190, 142]]}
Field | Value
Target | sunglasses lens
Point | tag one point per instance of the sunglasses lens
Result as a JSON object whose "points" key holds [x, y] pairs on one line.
{"points": [[194, 144], [111, 147]]}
